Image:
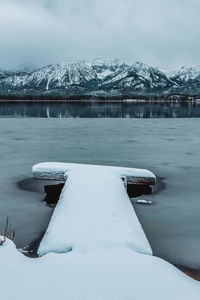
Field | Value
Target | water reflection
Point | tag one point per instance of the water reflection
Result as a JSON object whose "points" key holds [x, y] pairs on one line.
{"points": [[100, 110]]}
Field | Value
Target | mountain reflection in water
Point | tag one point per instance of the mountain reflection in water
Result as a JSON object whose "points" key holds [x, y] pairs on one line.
{"points": [[99, 110]]}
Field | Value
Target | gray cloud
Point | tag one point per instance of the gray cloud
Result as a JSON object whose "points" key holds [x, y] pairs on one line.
{"points": [[157, 32]]}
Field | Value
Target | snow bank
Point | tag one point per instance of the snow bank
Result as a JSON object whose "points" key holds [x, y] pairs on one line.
{"points": [[118, 274]]}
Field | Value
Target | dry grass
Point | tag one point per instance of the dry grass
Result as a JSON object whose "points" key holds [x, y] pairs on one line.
{"points": [[8, 232], [195, 274]]}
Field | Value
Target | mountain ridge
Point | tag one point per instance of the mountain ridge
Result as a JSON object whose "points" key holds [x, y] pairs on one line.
{"points": [[107, 78]]}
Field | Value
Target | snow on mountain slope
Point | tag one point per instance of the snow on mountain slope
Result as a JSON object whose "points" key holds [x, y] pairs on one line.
{"points": [[93, 76], [4, 74], [185, 73], [65, 74], [140, 77], [59, 75]]}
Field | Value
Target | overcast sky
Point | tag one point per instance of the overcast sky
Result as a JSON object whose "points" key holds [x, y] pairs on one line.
{"points": [[162, 33]]}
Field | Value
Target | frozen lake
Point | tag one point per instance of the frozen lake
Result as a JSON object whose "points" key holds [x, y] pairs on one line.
{"points": [[168, 147], [100, 109]]}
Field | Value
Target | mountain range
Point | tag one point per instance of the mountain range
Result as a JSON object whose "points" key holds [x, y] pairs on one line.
{"points": [[99, 79]]}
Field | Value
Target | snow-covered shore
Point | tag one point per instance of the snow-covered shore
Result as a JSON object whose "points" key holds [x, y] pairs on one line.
{"points": [[109, 257], [119, 274]]}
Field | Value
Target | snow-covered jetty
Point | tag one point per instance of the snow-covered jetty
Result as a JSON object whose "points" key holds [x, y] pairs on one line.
{"points": [[94, 211]]}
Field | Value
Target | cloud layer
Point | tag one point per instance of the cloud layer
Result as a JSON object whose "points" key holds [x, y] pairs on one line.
{"points": [[157, 32]]}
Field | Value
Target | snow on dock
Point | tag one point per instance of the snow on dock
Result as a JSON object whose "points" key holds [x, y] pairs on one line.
{"points": [[94, 211], [57, 170]]}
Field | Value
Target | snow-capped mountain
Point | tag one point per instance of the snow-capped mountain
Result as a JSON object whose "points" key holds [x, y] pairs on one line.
{"points": [[188, 79], [185, 74], [139, 77], [97, 77]]}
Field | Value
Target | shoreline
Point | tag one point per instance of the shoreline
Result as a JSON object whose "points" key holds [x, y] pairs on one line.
{"points": [[94, 101], [193, 273]]}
